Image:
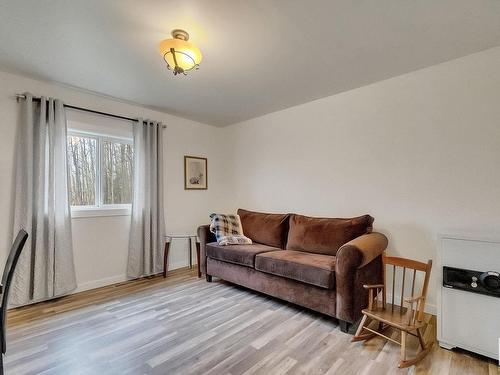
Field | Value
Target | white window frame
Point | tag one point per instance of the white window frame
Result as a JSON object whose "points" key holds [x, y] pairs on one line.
{"points": [[100, 209]]}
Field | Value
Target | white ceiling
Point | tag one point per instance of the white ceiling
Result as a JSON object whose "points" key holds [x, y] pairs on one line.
{"points": [[259, 55]]}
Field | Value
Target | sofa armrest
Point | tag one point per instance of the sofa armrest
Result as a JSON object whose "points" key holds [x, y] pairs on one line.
{"points": [[205, 237], [358, 262], [360, 251]]}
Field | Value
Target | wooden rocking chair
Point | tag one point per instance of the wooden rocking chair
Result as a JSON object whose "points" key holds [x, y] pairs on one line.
{"points": [[409, 320]]}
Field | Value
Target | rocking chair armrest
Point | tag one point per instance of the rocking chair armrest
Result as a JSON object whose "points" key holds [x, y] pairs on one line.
{"points": [[374, 286], [414, 299], [418, 300], [373, 294], [415, 313]]}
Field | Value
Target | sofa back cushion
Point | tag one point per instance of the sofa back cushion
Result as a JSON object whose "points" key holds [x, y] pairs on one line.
{"points": [[267, 229], [324, 235]]}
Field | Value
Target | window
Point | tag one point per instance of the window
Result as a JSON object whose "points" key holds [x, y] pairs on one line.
{"points": [[100, 171], [82, 169], [117, 160]]}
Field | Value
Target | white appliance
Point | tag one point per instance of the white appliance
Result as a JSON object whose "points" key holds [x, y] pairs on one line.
{"points": [[468, 306]]}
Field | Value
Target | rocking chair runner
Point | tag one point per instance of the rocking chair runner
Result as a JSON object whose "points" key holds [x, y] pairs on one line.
{"points": [[409, 320]]}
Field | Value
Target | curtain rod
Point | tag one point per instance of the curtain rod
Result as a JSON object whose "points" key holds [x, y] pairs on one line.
{"points": [[37, 99]]}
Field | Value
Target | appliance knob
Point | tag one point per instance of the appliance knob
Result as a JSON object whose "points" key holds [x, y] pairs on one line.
{"points": [[473, 284], [474, 278], [490, 280]]}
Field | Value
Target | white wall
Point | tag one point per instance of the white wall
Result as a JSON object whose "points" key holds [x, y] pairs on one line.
{"points": [[101, 244], [419, 152]]}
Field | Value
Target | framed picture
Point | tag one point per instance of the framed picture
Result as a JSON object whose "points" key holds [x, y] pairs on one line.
{"points": [[195, 173]]}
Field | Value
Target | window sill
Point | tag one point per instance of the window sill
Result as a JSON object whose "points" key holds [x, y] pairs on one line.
{"points": [[80, 213]]}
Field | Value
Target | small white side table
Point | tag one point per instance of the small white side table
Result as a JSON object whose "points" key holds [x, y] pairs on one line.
{"points": [[189, 237]]}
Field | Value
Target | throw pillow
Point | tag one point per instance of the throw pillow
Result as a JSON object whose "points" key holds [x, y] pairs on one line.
{"points": [[228, 230]]}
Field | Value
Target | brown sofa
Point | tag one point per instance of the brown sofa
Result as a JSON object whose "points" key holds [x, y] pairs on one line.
{"points": [[318, 263]]}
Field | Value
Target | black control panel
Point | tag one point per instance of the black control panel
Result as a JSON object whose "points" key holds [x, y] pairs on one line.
{"points": [[481, 282]]}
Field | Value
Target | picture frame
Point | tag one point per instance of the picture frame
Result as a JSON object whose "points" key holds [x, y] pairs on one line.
{"points": [[195, 173]]}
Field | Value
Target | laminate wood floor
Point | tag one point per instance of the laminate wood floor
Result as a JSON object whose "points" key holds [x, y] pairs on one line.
{"points": [[184, 325]]}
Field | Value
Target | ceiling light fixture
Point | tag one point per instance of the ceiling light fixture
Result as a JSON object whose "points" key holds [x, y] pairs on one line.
{"points": [[180, 56]]}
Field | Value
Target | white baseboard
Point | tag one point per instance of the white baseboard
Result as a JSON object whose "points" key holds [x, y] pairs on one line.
{"points": [[93, 284], [83, 287], [180, 264]]}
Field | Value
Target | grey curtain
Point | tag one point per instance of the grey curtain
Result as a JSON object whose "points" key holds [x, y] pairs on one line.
{"points": [[147, 227], [41, 207]]}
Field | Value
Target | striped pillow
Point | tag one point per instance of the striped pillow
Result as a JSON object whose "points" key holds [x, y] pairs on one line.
{"points": [[228, 230]]}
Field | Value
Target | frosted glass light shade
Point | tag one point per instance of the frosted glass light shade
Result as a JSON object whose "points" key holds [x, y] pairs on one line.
{"points": [[180, 55]]}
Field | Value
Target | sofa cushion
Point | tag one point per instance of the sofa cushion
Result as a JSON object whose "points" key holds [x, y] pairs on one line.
{"points": [[324, 235], [267, 229], [239, 254], [314, 269]]}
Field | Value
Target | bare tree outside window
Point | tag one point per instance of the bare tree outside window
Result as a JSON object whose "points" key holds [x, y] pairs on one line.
{"points": [[117, 164], [100, 170], [82, 155]]}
